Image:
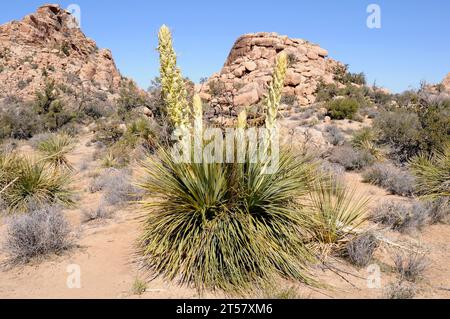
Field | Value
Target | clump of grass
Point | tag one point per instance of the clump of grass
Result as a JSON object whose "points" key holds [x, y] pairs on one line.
{"points": [[439, 210], [400, 290], [55, 149], [335, 211], [433, 173], [401, 217], [139, 287], [41, 232], [29, 183], [360, 250], [389, 177], [410, 266], [281, 293]]}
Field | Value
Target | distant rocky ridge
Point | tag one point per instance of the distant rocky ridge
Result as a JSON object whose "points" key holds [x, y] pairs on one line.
{"points": [[446, 83], [248, 70], [48, 45]]}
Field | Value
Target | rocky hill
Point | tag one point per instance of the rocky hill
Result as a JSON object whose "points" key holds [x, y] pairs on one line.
{"points": [[48, 46], [248, 70], [446, 83]]}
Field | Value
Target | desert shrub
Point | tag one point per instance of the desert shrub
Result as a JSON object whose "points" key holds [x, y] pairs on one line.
{"points": [[351, 158], [400, 216], [50, 107], [391, 178], [400, 290], [401, 131], [432, 173], [342, 75], [332, 169], [335, 211], [439, 210], [410, 266], [18, 121], [100, 212], [41, 232], [335, 136], [252, 218], [116, 186], [216, 88], [289, 99], [408, 132], [129, 99], [434, 118], [342, 108], [108, 133], [360, 249], [55, 150], [32, 184]]}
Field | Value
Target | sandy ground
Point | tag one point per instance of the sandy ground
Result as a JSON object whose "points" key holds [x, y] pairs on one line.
{"points": [[105, 253]]}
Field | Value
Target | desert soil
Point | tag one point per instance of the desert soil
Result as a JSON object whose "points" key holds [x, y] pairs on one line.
{"points": [[105, 252]]}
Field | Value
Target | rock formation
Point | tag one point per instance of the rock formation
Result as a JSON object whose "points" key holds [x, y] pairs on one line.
{"points": [[248, 70], [49, 45], [446, 83]]}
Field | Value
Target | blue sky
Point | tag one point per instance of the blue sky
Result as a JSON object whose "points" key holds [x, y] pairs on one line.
{"points": [[413, 43]]}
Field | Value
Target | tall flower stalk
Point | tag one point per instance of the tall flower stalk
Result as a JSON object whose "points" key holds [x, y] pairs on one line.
{"points": [[173, 88]]}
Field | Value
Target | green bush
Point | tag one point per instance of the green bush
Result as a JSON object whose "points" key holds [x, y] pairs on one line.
{"points": [[411, 131], [344, 108]]}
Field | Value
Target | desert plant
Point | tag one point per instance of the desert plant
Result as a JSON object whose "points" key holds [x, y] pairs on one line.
{"points": [[41, 232], [400, 290], [335, 211], [33, 184], [360, 249], [400, 216], [350, 158], [342, 108], [55, 149], [251, 217], [400, 130], [410, 266], [439, 210], [391, 178], [100, 212], [281, 293], [173, 88], [432, 173], [139, 287], [335, 135]]}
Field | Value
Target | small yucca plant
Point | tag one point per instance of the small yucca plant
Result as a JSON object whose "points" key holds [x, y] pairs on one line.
{"points": [[335, 211], [432, 173], [32, 184], [55, 150]]}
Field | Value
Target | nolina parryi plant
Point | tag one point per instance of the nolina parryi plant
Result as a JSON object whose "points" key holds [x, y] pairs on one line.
{"points": [[224, 225]]}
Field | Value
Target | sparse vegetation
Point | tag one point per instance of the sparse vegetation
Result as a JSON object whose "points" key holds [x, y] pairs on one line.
{"points": [[400, 290], [410, 266], [100, 213], [391, 178], [401, 216], [350, 158], [360, 249], [41, 232]]}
